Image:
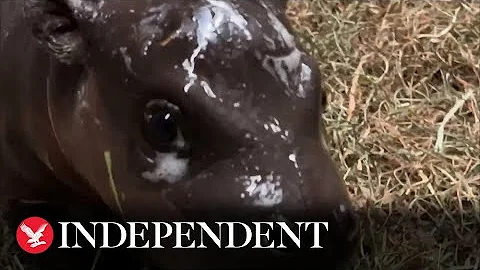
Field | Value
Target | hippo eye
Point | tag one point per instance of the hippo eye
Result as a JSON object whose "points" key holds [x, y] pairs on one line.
{"points": [[161, 126]]}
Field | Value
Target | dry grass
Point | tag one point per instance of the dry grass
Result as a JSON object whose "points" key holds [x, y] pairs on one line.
{"points": [[403, 79]]}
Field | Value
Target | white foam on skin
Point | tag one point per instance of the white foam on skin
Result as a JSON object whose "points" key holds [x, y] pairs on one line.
{"points": [[89, 8], [287, 38], [264, 190], [268, 195], [305, 77], [274, 127], [168, 167], [208, 25], [282, 66], [293, 158]]}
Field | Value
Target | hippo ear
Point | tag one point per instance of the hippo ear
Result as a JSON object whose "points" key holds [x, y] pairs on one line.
{"points": [[54, 26]]}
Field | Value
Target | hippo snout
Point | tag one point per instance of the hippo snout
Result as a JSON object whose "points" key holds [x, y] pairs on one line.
{"points": [[272, 183]]}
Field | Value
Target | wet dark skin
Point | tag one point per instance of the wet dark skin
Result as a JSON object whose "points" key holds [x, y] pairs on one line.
{"points": [[241, 128]]}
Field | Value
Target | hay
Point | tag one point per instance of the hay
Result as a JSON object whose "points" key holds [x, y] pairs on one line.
{"points": [[111, 181], [398, 75], [402, 125]]}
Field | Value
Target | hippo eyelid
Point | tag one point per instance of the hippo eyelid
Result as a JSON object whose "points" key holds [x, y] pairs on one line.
{"points": [[163, 104]]}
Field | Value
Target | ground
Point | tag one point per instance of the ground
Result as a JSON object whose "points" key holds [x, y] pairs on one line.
{"points": [[403, 84], [404, 123]]}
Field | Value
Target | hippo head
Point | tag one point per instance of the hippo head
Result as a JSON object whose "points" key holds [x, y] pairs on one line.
{"points": [[207, 109]]}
